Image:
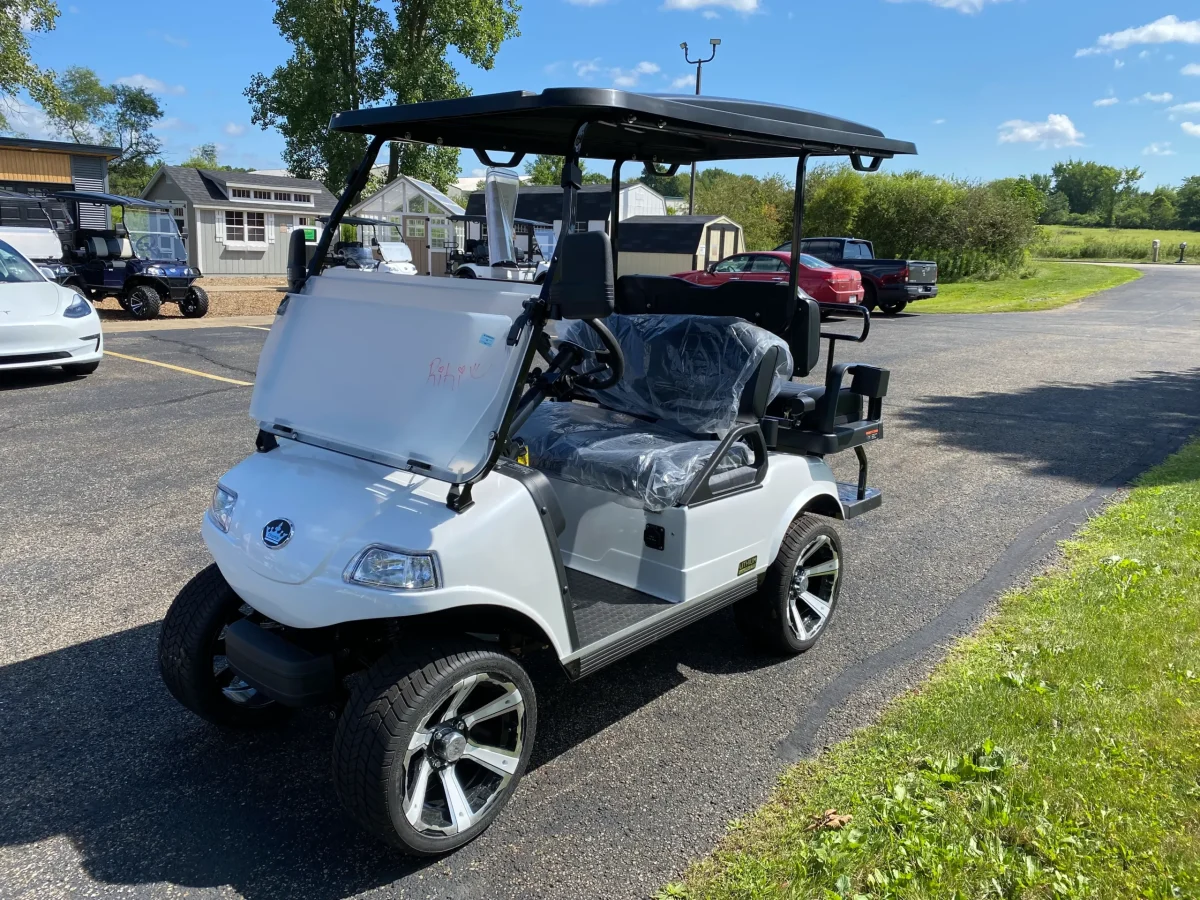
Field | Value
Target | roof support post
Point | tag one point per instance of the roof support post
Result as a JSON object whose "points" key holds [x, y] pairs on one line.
{"points": [[615, 228], [355, 182], [572, 181], [797, 225]]}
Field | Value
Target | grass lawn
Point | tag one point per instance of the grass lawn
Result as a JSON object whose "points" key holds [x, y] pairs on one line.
{"points": [[1127, 244], [1056, 754], [1049, 285]]}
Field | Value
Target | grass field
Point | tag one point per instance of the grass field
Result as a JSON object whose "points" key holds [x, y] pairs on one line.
{"points": [[1046, 286], [1117, 244], [1056, 754]]}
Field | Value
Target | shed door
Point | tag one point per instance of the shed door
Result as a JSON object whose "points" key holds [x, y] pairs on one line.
{"points": [[720, 241], [87, 174], [416, 235]]}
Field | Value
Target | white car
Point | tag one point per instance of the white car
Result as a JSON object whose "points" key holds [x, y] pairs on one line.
{"points": [[43, 323]]}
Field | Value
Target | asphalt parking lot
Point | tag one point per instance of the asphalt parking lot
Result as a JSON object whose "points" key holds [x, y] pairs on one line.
{"points": [[1003, 433]]}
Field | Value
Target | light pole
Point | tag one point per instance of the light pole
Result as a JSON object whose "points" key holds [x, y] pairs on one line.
{"points": [[699, 64]]}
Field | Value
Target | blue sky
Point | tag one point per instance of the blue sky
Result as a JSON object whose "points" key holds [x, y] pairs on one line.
{"points": [[985, 88]]}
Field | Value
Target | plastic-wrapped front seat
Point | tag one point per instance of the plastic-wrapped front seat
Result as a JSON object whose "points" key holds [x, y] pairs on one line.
{"points": [[687, 381]]}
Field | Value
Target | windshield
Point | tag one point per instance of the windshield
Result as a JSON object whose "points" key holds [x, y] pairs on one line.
{"points": [[16, 269], [153, 234]]}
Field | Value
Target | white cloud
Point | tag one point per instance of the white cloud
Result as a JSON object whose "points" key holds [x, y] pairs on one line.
{"points": [[1167, 30], [970, 7], [1164, 97], [25, 120], [233, 129], [1145, 54], [629, 78], [587, 67], [153, 85], [1163, 149], [1057, 131], [1183, 108], [1107, 101], [1190, 69], [742, 6], [552, 68], [683, 81], [1118, 64], [1191, 128], [709, 14], [939, 121]]}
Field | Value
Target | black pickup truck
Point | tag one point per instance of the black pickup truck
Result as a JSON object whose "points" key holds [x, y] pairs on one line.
{"points": [[890, 284]]}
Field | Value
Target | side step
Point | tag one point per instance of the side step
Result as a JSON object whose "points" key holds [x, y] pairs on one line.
{"points": [[848, 494], [634, 637]]}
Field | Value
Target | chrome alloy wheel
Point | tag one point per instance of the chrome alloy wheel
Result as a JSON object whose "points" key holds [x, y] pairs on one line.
{"points": [[812, 590], [463, 755]]}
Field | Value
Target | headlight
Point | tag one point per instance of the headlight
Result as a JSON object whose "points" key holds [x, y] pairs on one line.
{"points": [[193, 273], [78, 308], [387, 568], [154, 270], [221, 508]]}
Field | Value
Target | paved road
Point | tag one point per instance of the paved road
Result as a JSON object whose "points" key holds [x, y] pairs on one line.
{"points": [[1004, 431]]}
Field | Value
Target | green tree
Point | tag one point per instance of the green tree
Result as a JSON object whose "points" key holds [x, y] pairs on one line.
{"points": [[206, 157], [762, 206], [833, 197], [1161, 209], [1094, 189], [1023, 190], [17, 71], [347, 54], [83, 105], [1188, 204], [545, 169]]}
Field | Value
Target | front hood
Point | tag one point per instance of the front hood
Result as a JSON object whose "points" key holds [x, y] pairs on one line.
{"points": [[28, 301], [328, 498]]}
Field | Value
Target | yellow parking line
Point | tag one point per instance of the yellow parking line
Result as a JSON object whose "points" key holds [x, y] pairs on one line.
{"points": [[164, 365], [255, 327]]}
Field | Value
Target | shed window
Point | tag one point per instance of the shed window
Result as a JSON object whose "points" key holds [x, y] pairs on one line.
{"points": [[256, 227], [416, 204], [240, 193], [262, 195], [438, 231], [415, 228], [235, 226]]}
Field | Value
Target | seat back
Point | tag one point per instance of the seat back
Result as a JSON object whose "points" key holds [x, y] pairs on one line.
{"points": [[120, 248], [581, 281], [763, 303], [98, 247], [693, 374]]}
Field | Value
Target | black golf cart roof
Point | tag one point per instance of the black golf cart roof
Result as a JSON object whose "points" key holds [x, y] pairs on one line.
{"points": [[360, 220], [665, 128], [531, 222], [108, 199]]}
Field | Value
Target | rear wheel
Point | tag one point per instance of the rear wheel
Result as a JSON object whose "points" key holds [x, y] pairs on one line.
{"points": [[464, 272], [433, 744], [797, 598], [195, 304], [191, 655], [144, 302], [894, 309], [869, 300]]}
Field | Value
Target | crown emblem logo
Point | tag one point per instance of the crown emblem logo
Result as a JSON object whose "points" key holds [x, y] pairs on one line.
{"points": [[277, 533]]}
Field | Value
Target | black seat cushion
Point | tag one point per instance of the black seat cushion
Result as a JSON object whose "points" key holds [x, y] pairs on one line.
{"points": [[692, 374]]}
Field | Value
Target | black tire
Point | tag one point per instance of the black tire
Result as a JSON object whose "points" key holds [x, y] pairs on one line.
{"points": [[375, 766], [78, 370], [195, 304], [464, 272], [144, 302], [122, 300], [540, 279], [767, 617], [869, 300], [894, 309], [191, 649]]}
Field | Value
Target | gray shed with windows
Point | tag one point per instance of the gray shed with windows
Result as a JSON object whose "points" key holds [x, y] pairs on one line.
{"points": [[238, 223], [666, 245]]}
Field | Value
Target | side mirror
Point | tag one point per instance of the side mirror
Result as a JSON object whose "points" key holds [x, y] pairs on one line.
{"points": [[297, 268], [712, 267], [581, 281]]}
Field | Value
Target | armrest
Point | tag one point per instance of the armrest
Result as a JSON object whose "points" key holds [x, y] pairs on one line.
{"points": [[867, 381], [709, 485]]}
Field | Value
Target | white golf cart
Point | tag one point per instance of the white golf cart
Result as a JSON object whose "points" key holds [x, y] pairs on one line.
{"points": [[492, 242], [426, 507], [371, 254]]}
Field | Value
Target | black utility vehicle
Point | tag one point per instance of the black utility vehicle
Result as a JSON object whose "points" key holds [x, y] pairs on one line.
{"points": [[141, 260], [889, 284]]}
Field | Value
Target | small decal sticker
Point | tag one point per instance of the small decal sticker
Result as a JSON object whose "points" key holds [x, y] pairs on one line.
{"points": [[747, 565], [487, 340]]}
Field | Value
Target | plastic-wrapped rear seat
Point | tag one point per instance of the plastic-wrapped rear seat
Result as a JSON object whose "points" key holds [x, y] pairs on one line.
{"points": [[686, 373]]}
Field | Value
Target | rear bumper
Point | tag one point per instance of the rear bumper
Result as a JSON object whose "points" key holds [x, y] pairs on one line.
{"points": [[920, 291], [905, 293], [286, 673]]}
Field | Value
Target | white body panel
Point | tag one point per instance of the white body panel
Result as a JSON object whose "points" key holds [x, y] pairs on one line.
{"points": [[32, 322], [704, 544], [507, 273], [495, 553]]}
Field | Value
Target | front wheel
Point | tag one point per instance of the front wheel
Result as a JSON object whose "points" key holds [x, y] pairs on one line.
{"points": [[191, 655], [144, 302], [433, 744], [195, 304], [799, 593]]}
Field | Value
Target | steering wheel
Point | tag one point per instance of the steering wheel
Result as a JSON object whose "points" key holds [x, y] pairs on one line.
{"points": [[142, 246], [610, 358]]}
